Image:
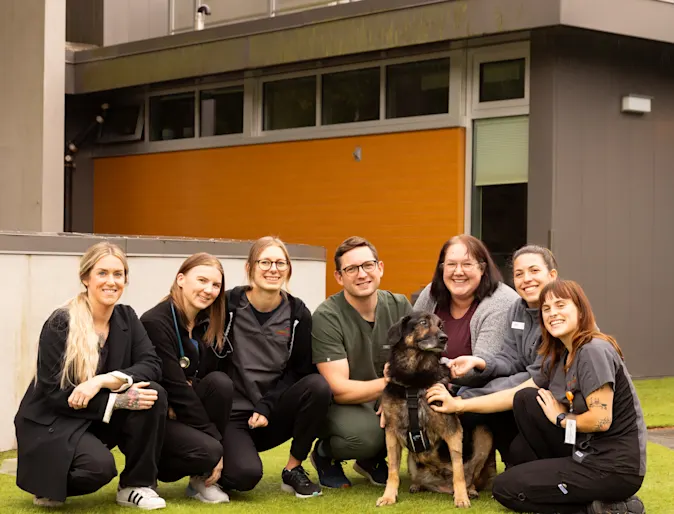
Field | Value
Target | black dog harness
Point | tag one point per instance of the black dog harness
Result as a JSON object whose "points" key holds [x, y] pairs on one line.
{"points": [[417, 441]]}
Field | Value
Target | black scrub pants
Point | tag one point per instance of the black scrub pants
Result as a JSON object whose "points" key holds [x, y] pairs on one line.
{"points": [[300, 411], [502, 427], [139, 435], [188, 451], [546, 479]]}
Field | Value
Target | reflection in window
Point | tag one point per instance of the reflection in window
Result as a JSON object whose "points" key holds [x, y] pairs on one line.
{"points": [[290, 103], [503, 80], [221, 112], [417, 89], [350, 96], [172, 116]]}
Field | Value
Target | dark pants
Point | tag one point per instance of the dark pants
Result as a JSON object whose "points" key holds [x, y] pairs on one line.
{"points": [[546, 479], [352, 432], [502, 427], [139, 435], [188, 451], [297, 415]]}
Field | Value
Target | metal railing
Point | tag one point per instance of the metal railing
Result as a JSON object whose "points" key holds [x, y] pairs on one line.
{"points": [[182, 13]]}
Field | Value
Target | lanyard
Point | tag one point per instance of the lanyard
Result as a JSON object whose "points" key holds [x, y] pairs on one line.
{"points": [[183, 361]]}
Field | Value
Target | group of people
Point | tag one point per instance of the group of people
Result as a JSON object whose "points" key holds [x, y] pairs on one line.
{"points": [[209, 378]]}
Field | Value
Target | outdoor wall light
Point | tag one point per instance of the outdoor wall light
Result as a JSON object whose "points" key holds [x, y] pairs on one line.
{"points": [[638, 104]]}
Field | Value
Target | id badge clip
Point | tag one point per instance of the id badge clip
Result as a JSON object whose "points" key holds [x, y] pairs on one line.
{"points": [[570, 431]]}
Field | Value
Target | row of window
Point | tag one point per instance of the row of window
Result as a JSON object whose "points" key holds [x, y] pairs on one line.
{"points": [[409, 89]]}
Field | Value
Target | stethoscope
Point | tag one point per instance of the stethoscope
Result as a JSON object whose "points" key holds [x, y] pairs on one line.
{"points": [[184, 361]]}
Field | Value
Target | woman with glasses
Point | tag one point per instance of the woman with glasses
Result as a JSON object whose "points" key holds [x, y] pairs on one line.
{"points": [[278, 395], [187, 330]]}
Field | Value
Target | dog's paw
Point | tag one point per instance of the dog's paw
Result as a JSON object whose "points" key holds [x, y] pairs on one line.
{"points": [[416, 488], [472, 493], [386, 500], [462, 502]]}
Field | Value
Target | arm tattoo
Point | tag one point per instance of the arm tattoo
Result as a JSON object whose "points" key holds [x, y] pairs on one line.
{"points": [[596, 403], [129, 400], [603, 423]]}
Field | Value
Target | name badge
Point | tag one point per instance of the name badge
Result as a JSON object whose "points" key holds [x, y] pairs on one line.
{"points": [[517, 325], [570, 433]]}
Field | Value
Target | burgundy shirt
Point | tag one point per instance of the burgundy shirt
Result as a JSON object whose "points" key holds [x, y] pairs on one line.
{"points": [[458, 332]]}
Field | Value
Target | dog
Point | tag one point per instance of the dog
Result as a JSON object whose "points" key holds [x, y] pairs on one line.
{"points": [[435, 442]]}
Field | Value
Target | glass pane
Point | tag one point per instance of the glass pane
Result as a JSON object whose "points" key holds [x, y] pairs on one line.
{"points": [[290, 103], [417, 89], [172, 116], [350, 96], [503, 80], [221, 112]]}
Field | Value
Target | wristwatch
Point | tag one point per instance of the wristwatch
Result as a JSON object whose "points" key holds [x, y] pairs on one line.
{"points": [[561, 417]]}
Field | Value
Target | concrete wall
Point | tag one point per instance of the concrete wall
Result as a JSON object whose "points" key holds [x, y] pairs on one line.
{"points": [[601, 181], [43, 275]]}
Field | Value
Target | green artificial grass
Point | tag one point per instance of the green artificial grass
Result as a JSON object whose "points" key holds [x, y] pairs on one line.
{"points": [[657, 397]]}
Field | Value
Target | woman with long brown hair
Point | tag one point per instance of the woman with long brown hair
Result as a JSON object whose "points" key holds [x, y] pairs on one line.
{"points": [[582, 440], [93, 390], [187, 329]]}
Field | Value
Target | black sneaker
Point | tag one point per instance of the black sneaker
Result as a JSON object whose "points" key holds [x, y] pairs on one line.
{"points": [[632, 505], [297, 481], [375, 470], [330, 472]]}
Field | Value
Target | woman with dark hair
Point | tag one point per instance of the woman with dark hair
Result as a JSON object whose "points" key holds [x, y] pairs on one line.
{"points": [[467, 292], [187, 329], [582, 440]]}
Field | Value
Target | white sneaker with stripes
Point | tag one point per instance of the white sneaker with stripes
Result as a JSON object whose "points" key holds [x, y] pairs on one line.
{"points": [[142, 497]]}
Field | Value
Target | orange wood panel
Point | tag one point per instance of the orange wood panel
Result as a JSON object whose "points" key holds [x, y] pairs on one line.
{"points": [[406, 195]]}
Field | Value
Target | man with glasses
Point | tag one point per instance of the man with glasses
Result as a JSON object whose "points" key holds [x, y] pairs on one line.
{"points": [[349, 342]]}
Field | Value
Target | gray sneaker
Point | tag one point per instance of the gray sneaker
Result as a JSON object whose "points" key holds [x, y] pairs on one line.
{"points": [[632, 505]]}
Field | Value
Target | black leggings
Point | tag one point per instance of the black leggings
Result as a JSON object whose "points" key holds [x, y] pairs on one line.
{"points": [[297, 415], [188, 451], [139, 435], [546, 479], [502, 427]]}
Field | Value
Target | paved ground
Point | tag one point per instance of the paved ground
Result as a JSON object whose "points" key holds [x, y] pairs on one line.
{"points": [[665, 437]]}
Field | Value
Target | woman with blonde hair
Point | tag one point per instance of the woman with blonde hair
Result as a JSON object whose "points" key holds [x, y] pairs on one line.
{"points": [[187, 329], [94, 389], [582, 441], [278, 394]]}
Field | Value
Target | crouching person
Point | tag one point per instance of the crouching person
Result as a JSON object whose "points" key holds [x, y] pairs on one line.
{"points": [[187, 329], [95, 388]]}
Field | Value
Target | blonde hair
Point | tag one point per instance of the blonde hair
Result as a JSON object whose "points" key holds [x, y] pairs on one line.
{"points": [[256, 250], [80, 360], [215, 334]]}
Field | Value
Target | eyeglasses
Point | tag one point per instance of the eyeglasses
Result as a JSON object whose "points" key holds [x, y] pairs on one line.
{"points": [[368, 266], [465, 266], [265, 265]]}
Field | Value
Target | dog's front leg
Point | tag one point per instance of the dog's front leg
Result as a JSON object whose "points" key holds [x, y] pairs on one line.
{"points": [[394, 451], [455, 443]]}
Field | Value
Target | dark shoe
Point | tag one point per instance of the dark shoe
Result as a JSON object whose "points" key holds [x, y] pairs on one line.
{"points": [[375, 470], [297, 481], [330, 472], [632, 505]]}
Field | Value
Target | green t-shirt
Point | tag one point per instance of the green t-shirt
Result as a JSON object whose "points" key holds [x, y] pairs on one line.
{"points": [[340, 332]]}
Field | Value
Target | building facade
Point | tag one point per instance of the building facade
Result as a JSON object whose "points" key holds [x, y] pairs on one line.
{"points": [[405, 121]]}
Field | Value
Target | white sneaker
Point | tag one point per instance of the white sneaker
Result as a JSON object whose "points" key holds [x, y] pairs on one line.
{"points": [[197, 489], [46, 502], [142, 497]]}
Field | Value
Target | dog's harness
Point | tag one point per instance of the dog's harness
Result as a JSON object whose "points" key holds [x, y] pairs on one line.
{"points": [[417, 441]]}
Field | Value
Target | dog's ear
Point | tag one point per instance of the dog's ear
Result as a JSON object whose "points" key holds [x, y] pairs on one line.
{"points": [[395, 333]]}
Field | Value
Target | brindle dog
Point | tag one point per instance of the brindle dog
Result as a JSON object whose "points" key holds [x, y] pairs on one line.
{"points": [[417, 342]]}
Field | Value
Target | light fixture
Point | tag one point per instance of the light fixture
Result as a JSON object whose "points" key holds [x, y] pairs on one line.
{"points": [[638, 104]]}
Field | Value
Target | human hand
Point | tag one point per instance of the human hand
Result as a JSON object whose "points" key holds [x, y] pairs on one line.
{"points": [[171, 413], [387, 371], [551, 407], [215, 474], [137, 397], [448, 404], [257, 420], [382, 417], [460, 366], [83, 393]]}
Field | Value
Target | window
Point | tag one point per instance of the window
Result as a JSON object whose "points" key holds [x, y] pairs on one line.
{"points": [[350, 96], [123, 122], [290, 103], [172, 116], [221, 112], [417, 89], [503, 80]]}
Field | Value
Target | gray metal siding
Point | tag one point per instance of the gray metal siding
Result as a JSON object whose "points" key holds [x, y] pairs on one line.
{"points": [[611, 178]]}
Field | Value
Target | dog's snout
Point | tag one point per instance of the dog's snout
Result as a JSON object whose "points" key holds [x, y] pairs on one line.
{"points": [[442, 337]]}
